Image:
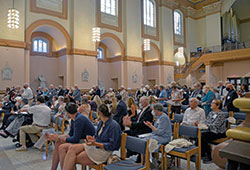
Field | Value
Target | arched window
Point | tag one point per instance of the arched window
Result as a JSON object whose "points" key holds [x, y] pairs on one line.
{"points": [[178, 22], [149, 12], [100, 54], [40, 45], [109, 7]]}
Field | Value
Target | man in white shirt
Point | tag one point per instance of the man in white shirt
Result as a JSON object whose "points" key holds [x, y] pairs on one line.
{"points": [[27, 93], [194, 114], [41, 120]]}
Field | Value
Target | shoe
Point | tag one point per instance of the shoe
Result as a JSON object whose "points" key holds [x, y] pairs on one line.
{"points": [[207, 160], [21, 149], [18, 145], [3, 134]]}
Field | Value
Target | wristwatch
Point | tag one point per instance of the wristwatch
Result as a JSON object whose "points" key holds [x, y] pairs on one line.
{"points": [[58, 139]]}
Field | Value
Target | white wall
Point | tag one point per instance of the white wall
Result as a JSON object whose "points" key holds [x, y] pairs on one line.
{"points": [[213, 27]]}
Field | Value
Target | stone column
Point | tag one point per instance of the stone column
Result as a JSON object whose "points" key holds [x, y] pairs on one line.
{"points": [[208, 73]]}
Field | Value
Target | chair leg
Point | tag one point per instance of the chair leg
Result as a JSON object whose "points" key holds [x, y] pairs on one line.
{"points": [[47, 148], [83, 167], [162, 161], [178, 162], [165, 161], [41, 149], [188, 163]]}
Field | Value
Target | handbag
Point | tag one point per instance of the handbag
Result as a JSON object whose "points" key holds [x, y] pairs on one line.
{"points": [[113, 159]]}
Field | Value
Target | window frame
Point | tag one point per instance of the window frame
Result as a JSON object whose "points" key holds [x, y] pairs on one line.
{"points": [[181, 23], [45, 37], [44, 40], [145, 15], [183, 35], [105, 8], [144, 33], [103, 53], [102, 24]]}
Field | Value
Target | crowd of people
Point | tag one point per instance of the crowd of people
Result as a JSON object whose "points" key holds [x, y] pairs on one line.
{"points": [[98, 118]]}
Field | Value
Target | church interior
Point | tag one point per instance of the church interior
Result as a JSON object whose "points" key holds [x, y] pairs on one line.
{"points": [[131, 46]]}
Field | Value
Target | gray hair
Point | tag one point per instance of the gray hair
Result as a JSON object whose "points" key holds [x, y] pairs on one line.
{"points": [[144, 98], [158, 107], [195, 99]]}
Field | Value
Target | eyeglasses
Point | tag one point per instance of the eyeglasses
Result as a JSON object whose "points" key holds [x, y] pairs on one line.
{"points": [[214, 103]]}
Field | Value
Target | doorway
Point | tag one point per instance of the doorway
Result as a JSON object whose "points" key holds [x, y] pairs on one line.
{"points": [[152, 83], [115, 83]]}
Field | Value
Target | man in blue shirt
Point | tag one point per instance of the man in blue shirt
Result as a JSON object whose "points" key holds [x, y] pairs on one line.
{"points": [[80, 128], [163, 95]]}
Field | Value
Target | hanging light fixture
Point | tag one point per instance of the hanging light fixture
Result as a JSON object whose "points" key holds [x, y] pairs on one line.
{"points": [[147, 45], [96, 33], [13, 18], [177, 63]]}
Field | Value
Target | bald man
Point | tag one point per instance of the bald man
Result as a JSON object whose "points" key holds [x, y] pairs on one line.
{"points": [[231, 96]]}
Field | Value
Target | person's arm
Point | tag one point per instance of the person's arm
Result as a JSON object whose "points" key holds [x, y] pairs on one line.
{"points": [[184, 120], [150, 125], [114, 136], [138, 125], [78, 130], [133, 111]]}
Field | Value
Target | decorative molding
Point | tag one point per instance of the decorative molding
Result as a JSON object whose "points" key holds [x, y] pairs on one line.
{"points": [[7, 72], [120, 58], [76, 51], [103, 25], [85, 75], [12, 43], [212, 8], [63, 14], [242, 21], [143, 34], [158, 63]]}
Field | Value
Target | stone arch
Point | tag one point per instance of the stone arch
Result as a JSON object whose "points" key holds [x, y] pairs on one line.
{"points": [[117, 39], [42, 22], [152, 44]]}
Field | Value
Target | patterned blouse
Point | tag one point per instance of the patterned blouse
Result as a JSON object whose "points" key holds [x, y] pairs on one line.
{"points": [[216, 122]]}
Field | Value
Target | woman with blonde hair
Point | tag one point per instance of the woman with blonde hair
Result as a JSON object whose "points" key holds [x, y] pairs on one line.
{"points": [[131, 107], [85, 107], [152, 100], [113, 106]]}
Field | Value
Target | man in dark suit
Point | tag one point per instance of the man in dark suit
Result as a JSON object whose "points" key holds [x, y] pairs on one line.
{"points": [[156, 91], [51, 93], [231, 96], [60, 91], [137, 125], [121, 111], [97, 91]]}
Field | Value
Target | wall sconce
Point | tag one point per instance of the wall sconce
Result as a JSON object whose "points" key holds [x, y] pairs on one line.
{"points": [[13, 18], [147, 45], [96, 34]]}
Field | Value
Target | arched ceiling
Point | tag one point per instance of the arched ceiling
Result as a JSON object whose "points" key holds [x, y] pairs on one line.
{"points": [[55, 33], [151, 55], [113, 47]]}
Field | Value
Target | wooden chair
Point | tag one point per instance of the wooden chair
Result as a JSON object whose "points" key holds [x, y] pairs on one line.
{"points": [[136, 145], [59, 128], [122, 151], [193, 152]]}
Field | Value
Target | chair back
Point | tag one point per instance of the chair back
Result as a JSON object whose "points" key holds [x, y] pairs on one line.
{"points": [[239, 115], [188, 131], [60, 124], [136, 144], [178, 118]]}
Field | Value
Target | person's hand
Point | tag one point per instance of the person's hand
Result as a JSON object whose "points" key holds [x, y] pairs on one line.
{"points": [[90, 140], [196, 123], [149, 124]]}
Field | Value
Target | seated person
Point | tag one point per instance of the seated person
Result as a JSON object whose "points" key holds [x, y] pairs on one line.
{"points": [[7, 108], [23, 104], [121, 111], [80, 128], [98, 148], [137, 126], [194, 114], [161, 130], [85, 107], [216, 124], [41, 120]]}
